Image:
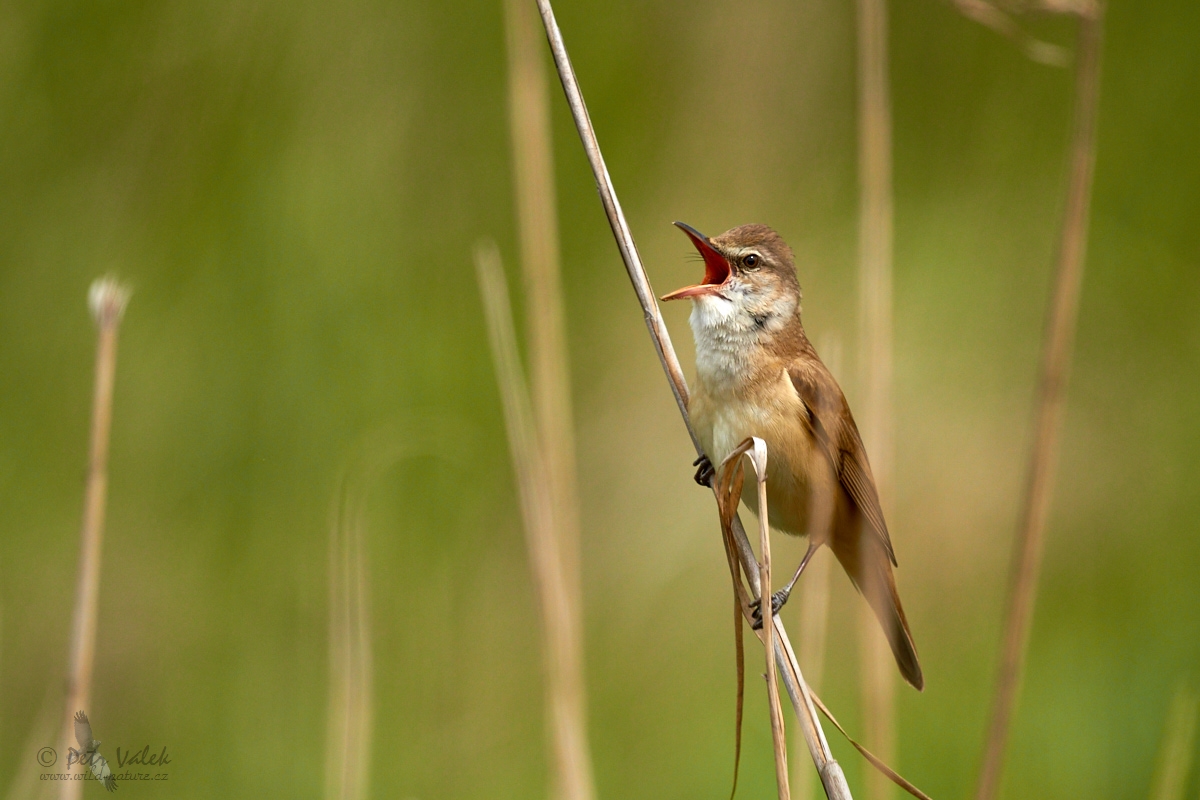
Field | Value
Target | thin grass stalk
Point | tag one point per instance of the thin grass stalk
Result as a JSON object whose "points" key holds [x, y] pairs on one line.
{"points": [[550, 382], [729, 483], [616, 217], [1057, 346], [564, 690], [831, 774], [814, 621], [349, 728], [758, 457], [1179, 739], [107, 300], [537, 224], [875, 287], [833, 780]]}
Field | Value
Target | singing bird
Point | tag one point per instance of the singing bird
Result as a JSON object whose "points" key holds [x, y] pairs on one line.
{"points": [[757, 374]]}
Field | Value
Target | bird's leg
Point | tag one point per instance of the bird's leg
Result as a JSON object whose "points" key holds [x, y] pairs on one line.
{"points": [[781, 597], [704, 471]]}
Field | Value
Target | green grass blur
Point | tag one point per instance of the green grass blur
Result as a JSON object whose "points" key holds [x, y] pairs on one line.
{"points": [[294, 190]]}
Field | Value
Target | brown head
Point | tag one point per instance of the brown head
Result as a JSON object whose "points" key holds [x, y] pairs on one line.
{"points": [[749, 279]]}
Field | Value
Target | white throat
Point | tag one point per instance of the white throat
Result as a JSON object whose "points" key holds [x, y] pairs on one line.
{"points": [[726, 337]]}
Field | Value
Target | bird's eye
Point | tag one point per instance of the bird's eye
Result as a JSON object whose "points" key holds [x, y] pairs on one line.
{"points": [[751, 261]]}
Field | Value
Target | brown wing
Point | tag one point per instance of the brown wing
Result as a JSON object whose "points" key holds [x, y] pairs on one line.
{"points": [[833, 426], [867, 559]]}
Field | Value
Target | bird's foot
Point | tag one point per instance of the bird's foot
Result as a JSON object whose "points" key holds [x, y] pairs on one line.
{"points": [[777, 601], [704, 471]]}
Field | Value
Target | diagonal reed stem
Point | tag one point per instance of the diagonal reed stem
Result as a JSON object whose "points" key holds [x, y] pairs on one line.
{"points": [[107, 300], [831, 773], [1051, 396], [616, 217]]}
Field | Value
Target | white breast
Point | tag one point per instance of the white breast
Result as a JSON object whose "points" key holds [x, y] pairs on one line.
{"points": [[724, 337]]}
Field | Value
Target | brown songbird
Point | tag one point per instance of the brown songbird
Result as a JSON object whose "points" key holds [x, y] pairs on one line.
{"points": [[757, 374]]}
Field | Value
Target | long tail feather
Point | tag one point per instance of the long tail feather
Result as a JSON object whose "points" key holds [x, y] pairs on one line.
{"points": [[871, 571]]}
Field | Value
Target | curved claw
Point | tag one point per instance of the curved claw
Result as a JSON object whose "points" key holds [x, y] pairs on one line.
{"points": [[777, 601], [704, 471]]}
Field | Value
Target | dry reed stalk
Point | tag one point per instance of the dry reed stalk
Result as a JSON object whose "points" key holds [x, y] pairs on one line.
{"points": [[107, 300], [758, 457], [1179, 737], [727, 488], [537, 223], [730, 477], [550, 381], [616, 217], [875, 289], [1051, 396], [560, 617], [814, 621], [349, 727], [805, 702]]}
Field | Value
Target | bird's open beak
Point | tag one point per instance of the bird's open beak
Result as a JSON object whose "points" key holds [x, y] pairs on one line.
{"points": [[716, 268]]}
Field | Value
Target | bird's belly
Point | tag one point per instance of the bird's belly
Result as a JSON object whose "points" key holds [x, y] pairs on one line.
{"points": [[792, 458]]}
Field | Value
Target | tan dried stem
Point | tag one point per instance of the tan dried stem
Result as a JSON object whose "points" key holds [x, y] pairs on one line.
{"points": [[875, 288], [351, 686], [755, 450], [727, 487], [550, 380], [106, 300], [814, 617], [616, 217], [537, 223], [560, 616], [758, 457], [1057, 345]]}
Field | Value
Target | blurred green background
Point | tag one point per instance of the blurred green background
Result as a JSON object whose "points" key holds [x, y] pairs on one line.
{"points": [[294, 189]]}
